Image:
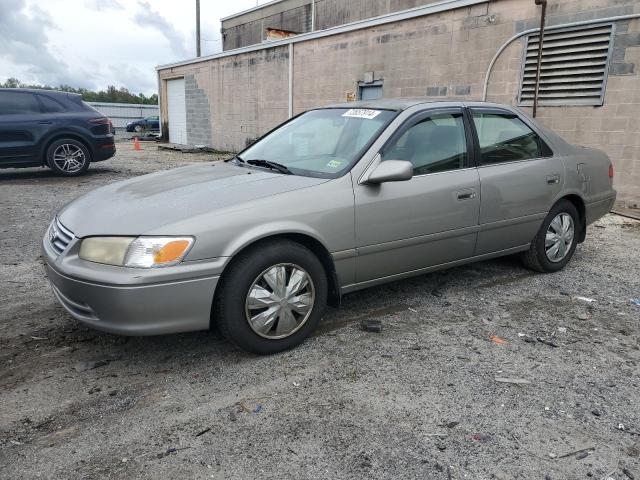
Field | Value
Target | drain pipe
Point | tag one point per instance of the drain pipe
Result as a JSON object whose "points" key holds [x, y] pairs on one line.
{"points": [[503, 47], [290, 93], [536, 86]]}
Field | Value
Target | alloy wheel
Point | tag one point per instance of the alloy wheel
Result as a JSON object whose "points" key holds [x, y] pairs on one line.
{"points": [[559, 237], [69, 158], [279, 301]]}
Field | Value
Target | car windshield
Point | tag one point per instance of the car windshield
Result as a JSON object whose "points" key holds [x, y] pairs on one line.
{"points": [[321, 143]]}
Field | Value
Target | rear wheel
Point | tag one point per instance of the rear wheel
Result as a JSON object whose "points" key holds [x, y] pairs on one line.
{"points": [[68, 157], [556, 241], [271, 297]]}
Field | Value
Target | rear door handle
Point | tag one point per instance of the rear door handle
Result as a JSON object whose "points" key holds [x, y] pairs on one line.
{"points": [[553, 179], [466, 194], [44, 122]]}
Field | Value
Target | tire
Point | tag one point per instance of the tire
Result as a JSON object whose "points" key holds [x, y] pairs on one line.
{"points": [[543, 257], [68, 157], [286, 328], [138, 128]]}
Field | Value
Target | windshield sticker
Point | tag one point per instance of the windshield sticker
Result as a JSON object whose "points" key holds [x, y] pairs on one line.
{"points": [[334, 164], [361, 113]]}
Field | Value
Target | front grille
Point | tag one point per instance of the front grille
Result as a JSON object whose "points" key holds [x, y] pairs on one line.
{"points": [[59, 236]]}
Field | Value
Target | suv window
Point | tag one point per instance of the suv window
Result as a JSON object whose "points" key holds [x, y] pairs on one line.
{"points": [[506, 138], [15, 103], [49, 105], [434, 144]]}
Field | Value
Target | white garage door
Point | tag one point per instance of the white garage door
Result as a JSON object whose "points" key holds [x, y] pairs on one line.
{"points": [[177, 111]]}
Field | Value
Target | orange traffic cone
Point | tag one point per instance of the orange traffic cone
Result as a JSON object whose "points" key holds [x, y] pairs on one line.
{"points": [[136, 144]]}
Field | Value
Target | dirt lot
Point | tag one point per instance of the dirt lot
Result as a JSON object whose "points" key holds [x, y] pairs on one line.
{"points": [[422, 399]]}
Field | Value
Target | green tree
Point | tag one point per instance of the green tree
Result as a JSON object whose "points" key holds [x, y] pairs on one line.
{"points": [[112, 94]]}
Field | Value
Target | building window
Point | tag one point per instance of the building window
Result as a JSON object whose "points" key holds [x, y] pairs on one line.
{"points": [[575, 64], [370, 91]]}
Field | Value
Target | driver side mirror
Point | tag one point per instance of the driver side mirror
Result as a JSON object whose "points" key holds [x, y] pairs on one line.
{"points": [[391, 171]]}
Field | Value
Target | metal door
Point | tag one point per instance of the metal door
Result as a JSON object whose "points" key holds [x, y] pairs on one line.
{"points": [[177, 111]]}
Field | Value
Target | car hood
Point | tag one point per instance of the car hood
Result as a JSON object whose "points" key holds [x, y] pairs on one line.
{"points": [[149, 202]]}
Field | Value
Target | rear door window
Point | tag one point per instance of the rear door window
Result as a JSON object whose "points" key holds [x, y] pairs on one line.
{"points": [[505, 138], [18, 103]]}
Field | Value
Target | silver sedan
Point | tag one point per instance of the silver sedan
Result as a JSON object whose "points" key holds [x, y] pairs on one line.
{"points": [[334, 200]]}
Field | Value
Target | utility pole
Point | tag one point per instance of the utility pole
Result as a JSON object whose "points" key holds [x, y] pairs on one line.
{"points": [[198, 53]]}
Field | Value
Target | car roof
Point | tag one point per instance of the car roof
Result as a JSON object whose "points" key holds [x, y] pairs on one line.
{"points": [[405, 103], [51, 93]]}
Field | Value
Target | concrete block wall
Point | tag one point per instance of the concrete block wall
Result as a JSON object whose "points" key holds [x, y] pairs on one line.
{"points": [[251, 96], [441, 56], [612, 127], [296, 15], [198, 107], [249, 93], [253, 31]]}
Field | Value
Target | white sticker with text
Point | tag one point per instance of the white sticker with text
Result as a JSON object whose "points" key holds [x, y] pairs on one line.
{"points": [[361, 113]]}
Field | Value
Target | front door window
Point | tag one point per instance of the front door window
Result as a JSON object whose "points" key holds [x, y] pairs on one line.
{"points": [[434, 144]]}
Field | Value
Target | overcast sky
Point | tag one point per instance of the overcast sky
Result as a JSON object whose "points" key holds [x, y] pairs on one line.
{"points": [[95, 43]]}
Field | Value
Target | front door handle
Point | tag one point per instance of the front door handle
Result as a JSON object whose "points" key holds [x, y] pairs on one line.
{"points": [[44, 122], [466, 194], [553, 179]]}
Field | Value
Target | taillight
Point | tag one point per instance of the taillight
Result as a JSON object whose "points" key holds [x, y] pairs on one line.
{"points": [[610, 170], [100, 121]]}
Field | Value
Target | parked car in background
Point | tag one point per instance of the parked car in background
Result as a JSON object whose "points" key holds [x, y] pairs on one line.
{"points": [[54, 129], [147, 124], [335, 200]]}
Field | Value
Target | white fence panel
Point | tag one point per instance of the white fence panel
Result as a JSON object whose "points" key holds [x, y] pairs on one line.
{"points": [[122, 113]]}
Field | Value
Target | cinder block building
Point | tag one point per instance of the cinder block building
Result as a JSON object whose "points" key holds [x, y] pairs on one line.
{"points": [[287, 56]]}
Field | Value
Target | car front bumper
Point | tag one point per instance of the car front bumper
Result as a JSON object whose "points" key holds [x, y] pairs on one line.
{"points": [[130, 301]]}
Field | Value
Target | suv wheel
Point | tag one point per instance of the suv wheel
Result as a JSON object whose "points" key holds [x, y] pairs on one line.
{"points": [[271, 298], [556, 241], [68, 157]]}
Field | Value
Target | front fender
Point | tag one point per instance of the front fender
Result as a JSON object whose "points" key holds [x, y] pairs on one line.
{"points": [[271, 229]]}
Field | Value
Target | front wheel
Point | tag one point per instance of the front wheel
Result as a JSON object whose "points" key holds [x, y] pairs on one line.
{"points": [[271, 297], [68, 157], [556, 241]]}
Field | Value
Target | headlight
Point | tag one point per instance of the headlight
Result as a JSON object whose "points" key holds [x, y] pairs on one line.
{"points": [[138, 252], [109, 250], [147, 252]]}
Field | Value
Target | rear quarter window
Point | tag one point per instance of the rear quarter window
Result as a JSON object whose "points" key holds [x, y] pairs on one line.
{"points": [[88, 107], [49, 105]]}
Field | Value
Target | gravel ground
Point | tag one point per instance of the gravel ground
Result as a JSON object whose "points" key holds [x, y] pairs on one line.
{"points": [[422, 399]]}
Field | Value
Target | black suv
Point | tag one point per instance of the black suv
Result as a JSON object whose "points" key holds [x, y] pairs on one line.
{"points": [[56, 129]]}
